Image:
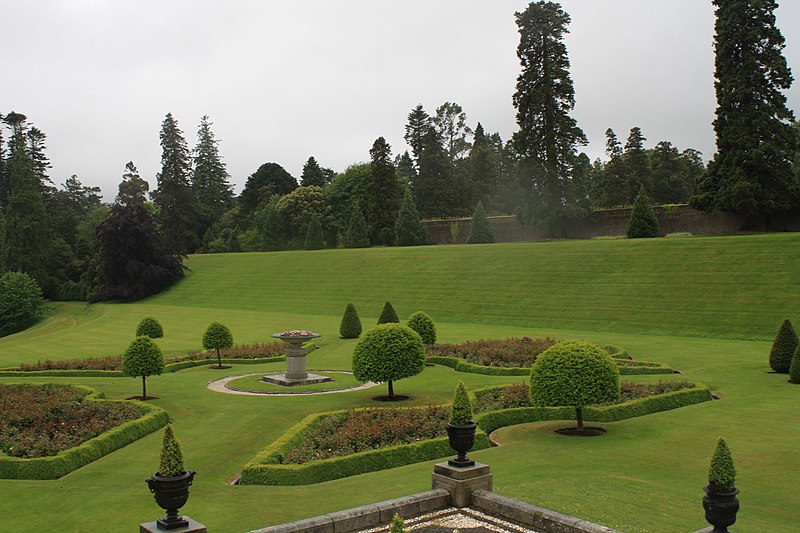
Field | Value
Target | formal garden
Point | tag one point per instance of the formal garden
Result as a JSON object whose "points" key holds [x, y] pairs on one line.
{"points": [[676, 320]]}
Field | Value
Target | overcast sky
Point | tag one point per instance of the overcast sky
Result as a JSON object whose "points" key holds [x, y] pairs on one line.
{"points": [[285, 80]]}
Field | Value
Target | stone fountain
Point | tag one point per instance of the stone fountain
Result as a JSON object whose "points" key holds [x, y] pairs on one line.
{"points": [[296, 372]]}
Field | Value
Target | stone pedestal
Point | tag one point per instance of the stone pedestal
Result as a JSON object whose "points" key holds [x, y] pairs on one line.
{"points": [[460, 482], [193, 527]]}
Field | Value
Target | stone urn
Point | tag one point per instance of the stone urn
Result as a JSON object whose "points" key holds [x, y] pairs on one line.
{"points": [[462, 439], [295, 353], [721, 508], [171, 493]]}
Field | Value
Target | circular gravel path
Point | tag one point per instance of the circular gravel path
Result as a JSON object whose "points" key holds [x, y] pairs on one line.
{"points": [[221, 385]]}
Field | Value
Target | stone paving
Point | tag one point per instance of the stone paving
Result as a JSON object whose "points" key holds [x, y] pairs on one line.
{"points": [[221, 385]]}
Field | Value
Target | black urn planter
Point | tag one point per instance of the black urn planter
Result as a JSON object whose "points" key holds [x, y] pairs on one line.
{"points": [[721, 508], [462, 439], [171, 494]]}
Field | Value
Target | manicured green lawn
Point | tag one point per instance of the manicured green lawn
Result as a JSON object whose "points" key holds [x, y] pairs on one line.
{"points": [[254, 383], [646, 474]]}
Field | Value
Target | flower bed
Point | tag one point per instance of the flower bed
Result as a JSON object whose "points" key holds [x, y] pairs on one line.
{"points": [[511, 352]]}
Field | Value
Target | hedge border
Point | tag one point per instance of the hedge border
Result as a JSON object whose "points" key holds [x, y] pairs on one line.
{"points": [[265, 467], [152, 419], [493, 420], [172, 367], [461, 365]]}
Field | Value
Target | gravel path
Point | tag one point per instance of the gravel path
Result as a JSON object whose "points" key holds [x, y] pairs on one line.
{"points": [[221, 385]]}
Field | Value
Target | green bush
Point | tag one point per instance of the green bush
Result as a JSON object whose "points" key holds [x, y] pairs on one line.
{"points": [[461, 411], [480, 231], [388, 315], [357, 235], [460, 365], [387, 353], [576, 374], [783, 348], [149, 327], [21, 302], [350, 328], [794, 368], [643, 221], [315, 237], [722, 473], [408, 230], [217, 337], [143, 358], [422, 323], [171, 461], [397, 525]]}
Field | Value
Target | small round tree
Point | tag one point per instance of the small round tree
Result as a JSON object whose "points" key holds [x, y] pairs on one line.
{"points": [[21, 302], [143, 358], [387, 353], [643, 222], [423, 324], [480, 231], [388, 315], [350, 328], [794, 368], [217, 337], [149, 327], [576, 374], [780, 356]]}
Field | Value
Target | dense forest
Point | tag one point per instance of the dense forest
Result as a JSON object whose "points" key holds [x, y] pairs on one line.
{"points": [[76, 247]]}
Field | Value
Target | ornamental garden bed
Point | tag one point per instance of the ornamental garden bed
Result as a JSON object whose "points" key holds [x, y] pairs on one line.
{"points": [[252, 383], [49, 430], [515, 356]]}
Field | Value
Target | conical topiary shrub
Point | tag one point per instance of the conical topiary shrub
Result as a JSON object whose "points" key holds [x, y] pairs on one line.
{"points": [[794, 368], [388, 315], [149, 327], [480, 231], [171, 464], [722, 473], [397, 525], [315, 237], [461, 410], [408, 230], [350, 328], [423, 324], [357, 235], [643, 222], [780, 357]]}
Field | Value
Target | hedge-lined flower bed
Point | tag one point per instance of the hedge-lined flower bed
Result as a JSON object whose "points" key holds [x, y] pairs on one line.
{"points": [[149, 419]]}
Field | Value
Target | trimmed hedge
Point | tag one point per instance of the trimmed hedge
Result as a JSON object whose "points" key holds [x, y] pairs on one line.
{"points": [[265, 468], [461, 365], [493, 420], [53, 467]]}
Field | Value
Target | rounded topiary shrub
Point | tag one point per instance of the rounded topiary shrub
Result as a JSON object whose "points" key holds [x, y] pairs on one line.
{"points": [[388, 315], [387, 353], [350, 328], [143, 358], [422, 323], [21, 302], [783, 348], [149, 327], [574, 374], [217, 337]]}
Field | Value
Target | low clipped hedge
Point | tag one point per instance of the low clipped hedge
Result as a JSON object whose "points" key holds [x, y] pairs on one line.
{"points": [[462, 365], [266, 468], [53, 467], [493, 420]]}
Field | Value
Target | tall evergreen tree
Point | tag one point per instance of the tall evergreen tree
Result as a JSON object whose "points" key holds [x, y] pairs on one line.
{"points": [[480, 231], [178, 209], [418, 123], [405, 169], [751, 173], [39, 160], [408, 230], [384, 194], [637, 164], [269, 180], [451, 124], [483, 167], [210, 177], [357, 234], [438, 192], [643, 222], [313, 174], [548, 137]]}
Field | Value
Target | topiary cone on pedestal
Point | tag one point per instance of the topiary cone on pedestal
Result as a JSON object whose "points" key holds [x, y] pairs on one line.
{"points": [[170, 485], [720, 502], [461, 428]]}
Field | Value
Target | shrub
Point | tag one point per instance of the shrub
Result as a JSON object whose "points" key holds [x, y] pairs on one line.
{"points": [[388, 315], [794, 368], [387, 353], [423, 325], [780, 356], [576, 374], [315, 237], [480, 231], [643, 222], [350, 328], [722, 473], [408, 230], [397, 525], [217, 337], [21, 302], [149, 327], [171, 463], [357, 235], [461, 411], [510, 352], [143, 358]]}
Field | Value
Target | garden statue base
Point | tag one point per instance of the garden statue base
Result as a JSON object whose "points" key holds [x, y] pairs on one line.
{"points": [[460, 482], [192, 527], [286, 381]]}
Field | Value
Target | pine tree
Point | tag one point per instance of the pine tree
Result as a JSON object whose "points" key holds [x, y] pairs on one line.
{"points": [[480, 231], [384, 194], [435, 188], [418, 123], [783, 348], [315, 237], [548, 137], [313, 174], [408, 230], [483, 168], [643, 222], [751, 173], [178, 208], [210, 177], [39, 160], [637, 164]]}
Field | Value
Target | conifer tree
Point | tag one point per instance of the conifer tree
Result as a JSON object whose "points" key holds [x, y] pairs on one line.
{"points": [[357, 235], [408, 230], [480, 231], [315, 237], [210, 177], [388, 314], [419, 121], [643, 222], [783, 348], [384, 194], [350, 327], [313, 174], [483, 167], [637, 164]]}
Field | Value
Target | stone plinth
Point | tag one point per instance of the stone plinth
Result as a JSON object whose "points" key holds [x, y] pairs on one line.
{"points": [[460, 482], [193, 527], [285, 380]]}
